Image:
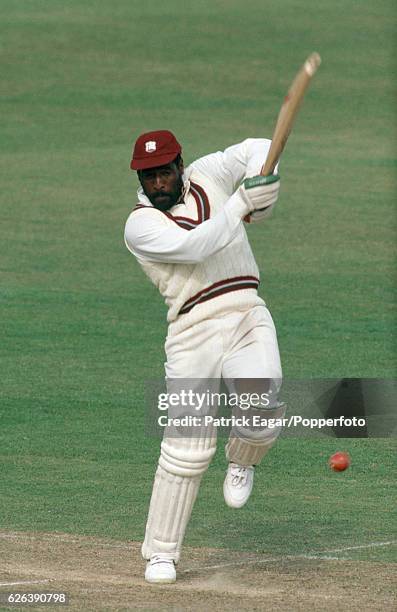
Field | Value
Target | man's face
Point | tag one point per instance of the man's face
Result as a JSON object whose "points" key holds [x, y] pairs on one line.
{"points": [[163, 184]]}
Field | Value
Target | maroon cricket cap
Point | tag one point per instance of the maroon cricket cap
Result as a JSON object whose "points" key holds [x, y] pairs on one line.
{"points": [[154, 149]]}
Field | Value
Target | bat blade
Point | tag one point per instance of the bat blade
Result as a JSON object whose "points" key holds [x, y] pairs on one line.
{"points": [[289, 110]]}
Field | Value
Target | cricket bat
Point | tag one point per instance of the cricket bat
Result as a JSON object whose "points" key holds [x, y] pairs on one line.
{"points": [[289, 110]]}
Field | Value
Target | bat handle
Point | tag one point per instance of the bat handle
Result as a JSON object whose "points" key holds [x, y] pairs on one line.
{"points": [[268, 167], [271, 162]]}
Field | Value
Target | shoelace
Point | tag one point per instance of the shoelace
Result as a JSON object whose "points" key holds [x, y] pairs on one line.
{"points": [[160, 559], [239, 475]]}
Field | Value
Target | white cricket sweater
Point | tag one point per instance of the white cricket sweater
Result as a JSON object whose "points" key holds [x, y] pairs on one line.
{"points": [[197, 253]]}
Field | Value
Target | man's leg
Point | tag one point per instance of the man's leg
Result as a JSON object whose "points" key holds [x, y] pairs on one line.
{"points": [[185, 453], [181, 466], [252, 366]]}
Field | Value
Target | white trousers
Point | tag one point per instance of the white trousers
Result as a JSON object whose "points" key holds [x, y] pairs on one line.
{"points": [[234, 345], [238, 345]]}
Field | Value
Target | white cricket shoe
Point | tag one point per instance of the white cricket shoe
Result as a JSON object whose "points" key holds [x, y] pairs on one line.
{"points": [[238, 484], [160, 570]]}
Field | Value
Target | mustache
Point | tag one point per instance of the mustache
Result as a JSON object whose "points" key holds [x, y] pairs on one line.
{"points": [[161, 194]]}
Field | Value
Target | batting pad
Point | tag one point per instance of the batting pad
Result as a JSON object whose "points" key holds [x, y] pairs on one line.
{"points": [[249, 446], [181, 466]]}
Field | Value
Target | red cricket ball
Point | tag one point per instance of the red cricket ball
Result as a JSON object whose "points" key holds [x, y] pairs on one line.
{"points": [[339, 461]]}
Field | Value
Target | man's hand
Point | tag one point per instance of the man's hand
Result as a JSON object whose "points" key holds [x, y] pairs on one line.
{"points": [[259, 192]]}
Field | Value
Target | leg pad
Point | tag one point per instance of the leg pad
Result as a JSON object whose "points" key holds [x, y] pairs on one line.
{"points": [[181, 466], [249, 446]]}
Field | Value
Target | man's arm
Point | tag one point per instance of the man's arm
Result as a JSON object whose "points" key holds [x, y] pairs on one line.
{"points": [[150, 238], [230, 167]]}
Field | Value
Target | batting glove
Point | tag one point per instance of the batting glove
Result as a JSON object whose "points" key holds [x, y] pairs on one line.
{"points": [[258, 215], [259, 192]]}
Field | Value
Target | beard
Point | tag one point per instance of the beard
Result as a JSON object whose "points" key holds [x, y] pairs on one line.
{"points": [[164, 200]]}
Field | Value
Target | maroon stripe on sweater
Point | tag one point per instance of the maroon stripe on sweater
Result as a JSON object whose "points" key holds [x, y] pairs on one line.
{"points": [[187, 223], [219, 288]]}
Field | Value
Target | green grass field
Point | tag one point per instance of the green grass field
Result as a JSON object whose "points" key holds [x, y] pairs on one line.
{"points": [[83, 329]]}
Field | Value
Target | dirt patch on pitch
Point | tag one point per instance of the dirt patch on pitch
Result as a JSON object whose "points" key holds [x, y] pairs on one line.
{"points": [[101, 574]]}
